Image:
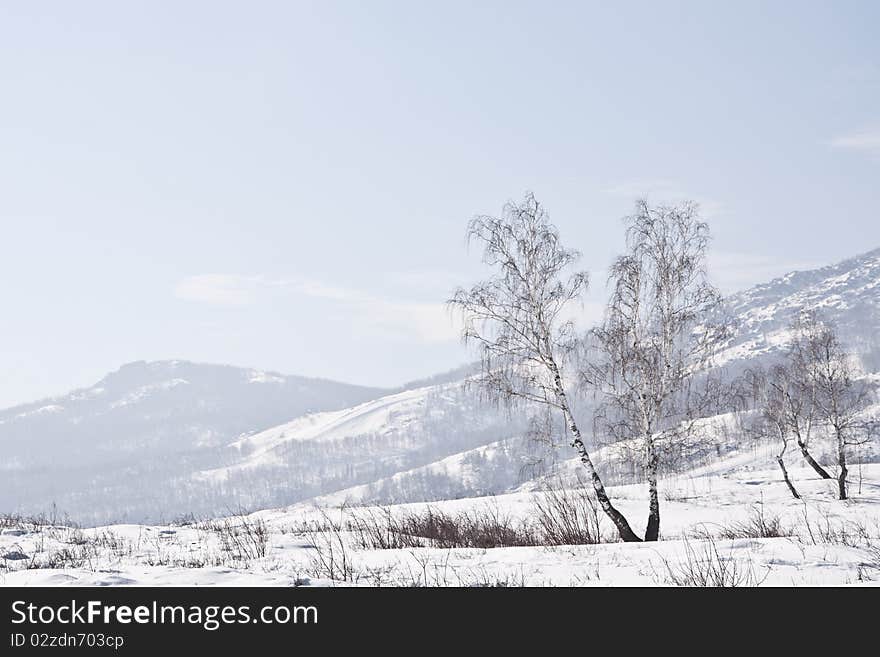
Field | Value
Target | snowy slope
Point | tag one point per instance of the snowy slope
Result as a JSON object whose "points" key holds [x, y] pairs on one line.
{"points": [[388, 420], [322, 453], [393, 413], [485, 470]]}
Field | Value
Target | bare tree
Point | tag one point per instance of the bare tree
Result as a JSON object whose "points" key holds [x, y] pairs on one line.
{"points": [[656, 337], [799, 365], [780, 408], [516, 319], [828, 373]]}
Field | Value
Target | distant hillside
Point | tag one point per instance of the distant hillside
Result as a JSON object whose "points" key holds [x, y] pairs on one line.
{"points": [[121, 439]]}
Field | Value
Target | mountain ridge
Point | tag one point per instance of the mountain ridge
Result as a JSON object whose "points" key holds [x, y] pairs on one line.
{"points": [[180, 437]]}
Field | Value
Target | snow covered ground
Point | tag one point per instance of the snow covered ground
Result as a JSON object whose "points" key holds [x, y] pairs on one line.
{"points": [[708, 518]]}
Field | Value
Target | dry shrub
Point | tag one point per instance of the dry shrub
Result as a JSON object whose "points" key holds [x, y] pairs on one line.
{"points": [[332, 558], [567, 516], [829, 529], [561, 517], [479, 528], [704, 566], [758, 524], [242, 537]]}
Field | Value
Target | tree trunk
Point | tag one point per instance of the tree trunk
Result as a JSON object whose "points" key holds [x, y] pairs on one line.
{"points": [[652, 533], [822, 472], [623, 529], [841, 461], [788, 483]]}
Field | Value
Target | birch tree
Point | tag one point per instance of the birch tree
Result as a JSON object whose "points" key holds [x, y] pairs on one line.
{"points": [[803, 405], [655, 337], [517, 321], [829, 373], [782, 413]]}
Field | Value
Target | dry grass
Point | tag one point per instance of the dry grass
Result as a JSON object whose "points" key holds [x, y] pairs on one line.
{"points": [[704, 565]]}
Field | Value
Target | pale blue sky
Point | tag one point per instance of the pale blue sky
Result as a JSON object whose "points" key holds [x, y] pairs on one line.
{"points": [[286, 185]]}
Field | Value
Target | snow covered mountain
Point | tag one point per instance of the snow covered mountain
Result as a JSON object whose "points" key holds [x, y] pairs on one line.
{"points": [[847, 294], [119, 442], [154, 441]]}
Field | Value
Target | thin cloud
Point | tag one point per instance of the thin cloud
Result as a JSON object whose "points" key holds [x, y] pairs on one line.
{"points": [[368, 313], [425, 322], [219, 289], [866, 141]]}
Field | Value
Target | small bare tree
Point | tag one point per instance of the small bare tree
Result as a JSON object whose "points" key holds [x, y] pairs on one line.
{"points": [[780, 411], [516, 320], [656, 337], [803, 407], [828, 373]]}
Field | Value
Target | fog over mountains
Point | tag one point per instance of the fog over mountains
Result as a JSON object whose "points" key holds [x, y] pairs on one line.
{"points": [[155, 441]]}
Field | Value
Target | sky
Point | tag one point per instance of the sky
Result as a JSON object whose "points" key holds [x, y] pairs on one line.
{"points": [[286, 185]]}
